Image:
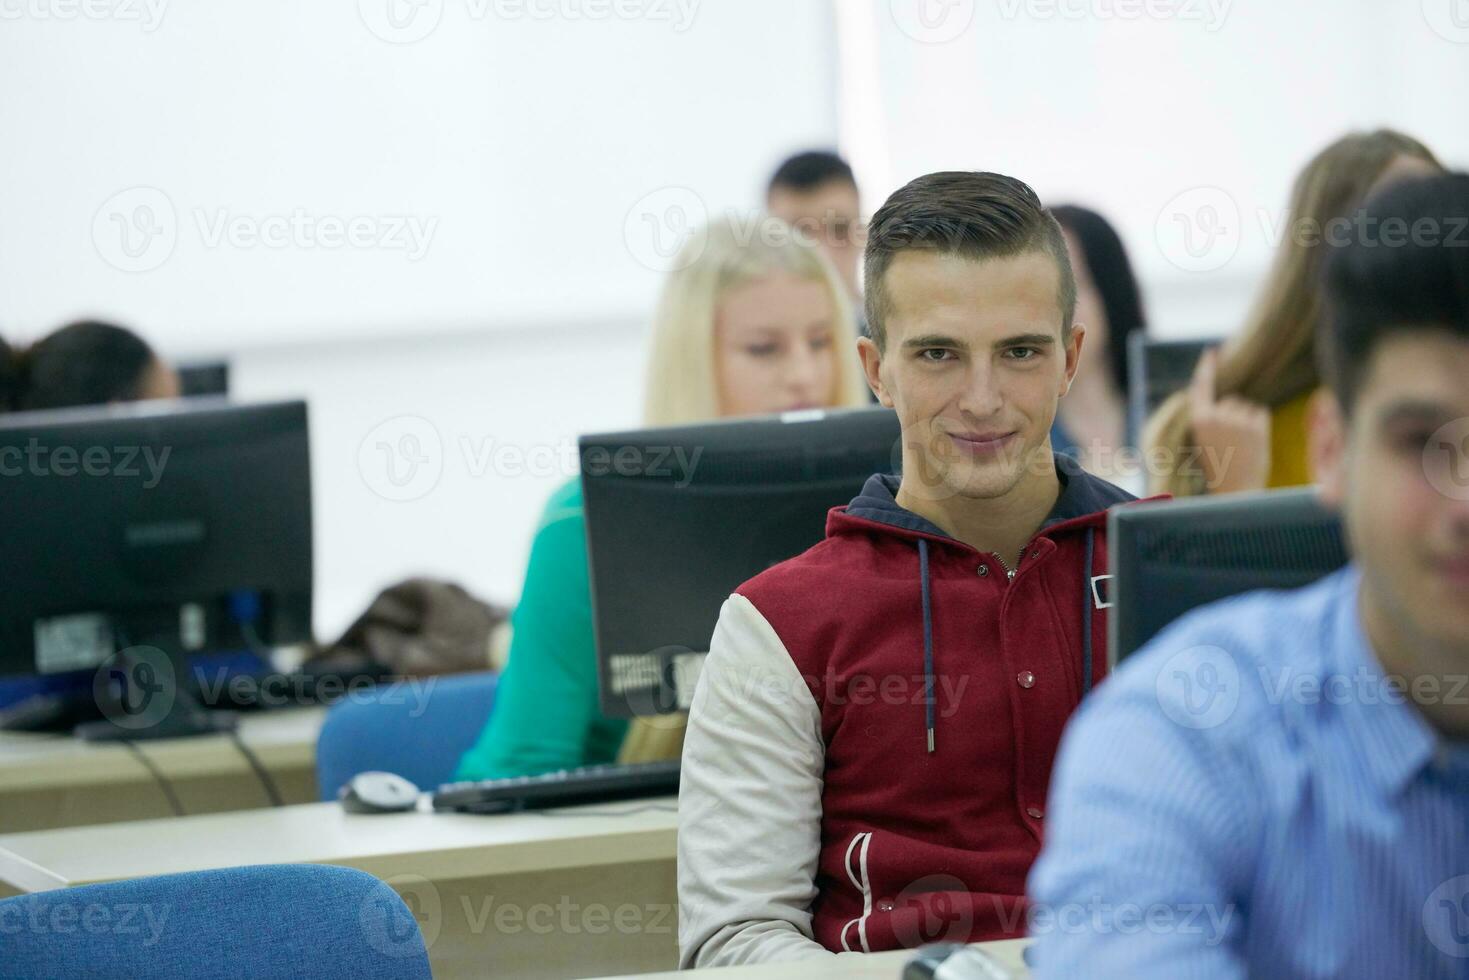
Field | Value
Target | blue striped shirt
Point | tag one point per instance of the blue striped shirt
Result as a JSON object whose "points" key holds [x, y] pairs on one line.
{"points": [[1249, 796]]}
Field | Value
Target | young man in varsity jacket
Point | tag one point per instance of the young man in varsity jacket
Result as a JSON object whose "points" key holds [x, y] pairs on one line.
{"points": [[870, 743]]}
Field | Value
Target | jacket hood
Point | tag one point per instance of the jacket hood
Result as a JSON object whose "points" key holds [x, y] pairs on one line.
{"points": [[1081, 506]]}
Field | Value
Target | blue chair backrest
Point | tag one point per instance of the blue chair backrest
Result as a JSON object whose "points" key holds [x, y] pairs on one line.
{"points": [[417, 729], [267, 922]]}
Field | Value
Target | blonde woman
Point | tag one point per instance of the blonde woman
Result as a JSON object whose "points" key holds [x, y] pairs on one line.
{"points": [[1241, 424], [754, 320]]}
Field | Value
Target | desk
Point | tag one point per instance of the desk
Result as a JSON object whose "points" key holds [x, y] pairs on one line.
{"points": [[576, 893], [51, 781], [875, 966]]}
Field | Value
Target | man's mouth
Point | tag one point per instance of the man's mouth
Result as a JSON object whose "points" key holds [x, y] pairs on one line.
{"points": [[983, 443]]}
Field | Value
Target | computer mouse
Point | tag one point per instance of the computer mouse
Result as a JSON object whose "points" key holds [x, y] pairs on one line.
{"points": [[378, 792]]}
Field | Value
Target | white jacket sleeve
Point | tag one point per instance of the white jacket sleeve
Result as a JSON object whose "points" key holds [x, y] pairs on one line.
{"points": [[749, 807]]}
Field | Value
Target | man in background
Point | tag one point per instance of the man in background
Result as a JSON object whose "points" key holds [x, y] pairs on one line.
{"points": [[815, 192]]}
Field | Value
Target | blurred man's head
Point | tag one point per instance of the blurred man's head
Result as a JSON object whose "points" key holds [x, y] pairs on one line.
{"points": [[1391, 442], [970, 298], [816, 193], [84, 363]]}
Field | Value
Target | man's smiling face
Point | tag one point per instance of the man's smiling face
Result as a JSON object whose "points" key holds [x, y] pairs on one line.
{"points": [[976, 357]]}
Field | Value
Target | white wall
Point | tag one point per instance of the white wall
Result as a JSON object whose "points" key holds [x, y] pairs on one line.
{"points": [[1161, 114], [496, 164]]}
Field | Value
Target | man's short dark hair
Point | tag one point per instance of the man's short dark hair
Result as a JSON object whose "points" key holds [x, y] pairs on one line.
{"points": [[1404, 267], [973, 215], [810, 170]]}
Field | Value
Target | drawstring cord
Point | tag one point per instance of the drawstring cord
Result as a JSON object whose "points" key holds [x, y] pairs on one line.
{"points": [[1086, 614], [1086, 629], [927, 640]]}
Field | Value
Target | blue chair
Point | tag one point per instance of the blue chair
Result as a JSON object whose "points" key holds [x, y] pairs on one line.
{"points": [[268, 922], [418, 732]]}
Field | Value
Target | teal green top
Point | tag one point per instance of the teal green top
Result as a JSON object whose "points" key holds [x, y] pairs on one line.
{"points": [[546, 716]]}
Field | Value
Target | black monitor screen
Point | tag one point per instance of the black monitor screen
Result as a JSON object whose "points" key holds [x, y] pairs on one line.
{"points": [[1166, 558], [678, 517], [181, 525]]}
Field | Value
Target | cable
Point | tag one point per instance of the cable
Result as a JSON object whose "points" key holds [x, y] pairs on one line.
{"points": [[163, 783], [270, 788]]}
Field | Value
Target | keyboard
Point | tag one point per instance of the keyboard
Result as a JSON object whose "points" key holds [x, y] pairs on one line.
{"points": [[569, 787]]}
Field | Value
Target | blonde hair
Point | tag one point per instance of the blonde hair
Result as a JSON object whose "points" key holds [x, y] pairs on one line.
{"points": [[681, 383], [1272, 360]]}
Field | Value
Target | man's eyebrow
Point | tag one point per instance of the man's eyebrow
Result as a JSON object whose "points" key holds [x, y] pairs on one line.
{"points": [[1026, 340], [1414, 410], [934, 340]]}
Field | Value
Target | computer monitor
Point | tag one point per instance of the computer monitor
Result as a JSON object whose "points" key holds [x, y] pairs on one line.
{"points": [[1168, 557], [199, 379], [1155, 370], [178, 526], [678, 517]]}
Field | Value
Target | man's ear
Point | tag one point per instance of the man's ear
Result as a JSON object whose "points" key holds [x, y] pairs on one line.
{"points": [[1326, 441], [1073, 354], [871, 369]]}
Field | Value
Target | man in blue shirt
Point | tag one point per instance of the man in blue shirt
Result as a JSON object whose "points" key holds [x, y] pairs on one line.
{"points": [[1278, 784]]}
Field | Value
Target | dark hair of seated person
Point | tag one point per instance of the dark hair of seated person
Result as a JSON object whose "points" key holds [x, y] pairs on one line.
{"points": [[84, 363]]}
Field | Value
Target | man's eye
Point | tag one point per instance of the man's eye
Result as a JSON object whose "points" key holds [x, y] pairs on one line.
{"points": [[1024, 353], [935, 354], [761, 350]]}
